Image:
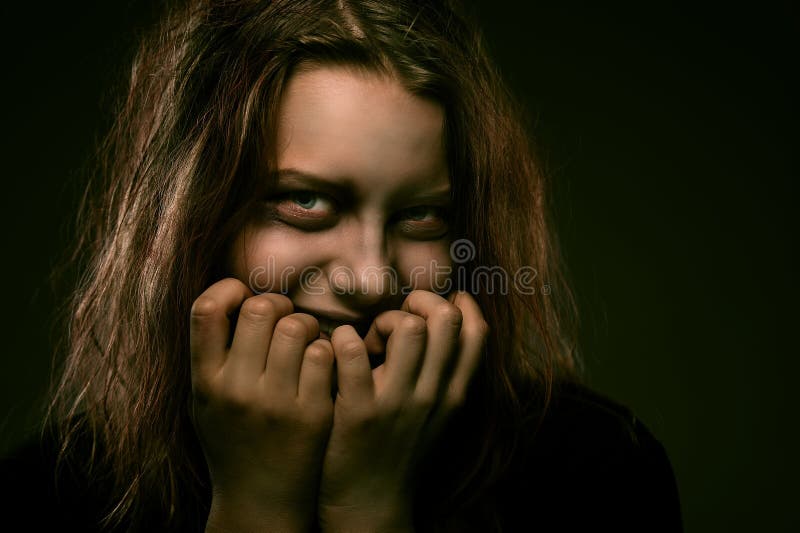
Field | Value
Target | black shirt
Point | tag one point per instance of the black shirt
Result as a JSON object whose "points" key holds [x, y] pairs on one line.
{"points": [[590, 466], [593, 466]]}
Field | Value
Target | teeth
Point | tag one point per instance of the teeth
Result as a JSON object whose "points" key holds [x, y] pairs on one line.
{"points": [[327, 326]]}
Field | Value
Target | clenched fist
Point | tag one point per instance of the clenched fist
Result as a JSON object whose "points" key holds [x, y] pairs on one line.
{"points": [[262, 407], [386, 418]]}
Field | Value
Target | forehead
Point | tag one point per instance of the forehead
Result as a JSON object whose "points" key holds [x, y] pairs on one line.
{"points": [[338, 122]]}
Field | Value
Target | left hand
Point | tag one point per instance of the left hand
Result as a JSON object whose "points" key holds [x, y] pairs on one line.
{"points": [[386, 418]]}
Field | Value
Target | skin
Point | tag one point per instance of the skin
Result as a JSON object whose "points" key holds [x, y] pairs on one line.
{"points": [[281, 451]]}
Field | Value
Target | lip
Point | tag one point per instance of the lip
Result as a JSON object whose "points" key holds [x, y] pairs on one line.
{"points": [[331, 315], [330, 321]]}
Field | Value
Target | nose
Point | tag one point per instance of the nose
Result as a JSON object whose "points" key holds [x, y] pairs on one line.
{"points": [[364, 273]]}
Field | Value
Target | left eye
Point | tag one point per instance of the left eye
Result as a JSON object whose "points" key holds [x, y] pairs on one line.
{"points": [[420, 213], [423, 222]]}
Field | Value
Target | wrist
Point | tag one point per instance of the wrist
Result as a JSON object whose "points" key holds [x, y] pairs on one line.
{"points": [[396, 518], [239, 515]]}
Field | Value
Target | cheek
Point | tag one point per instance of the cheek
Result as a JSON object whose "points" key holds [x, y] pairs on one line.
{"points": [[425, 265], [267, 261]]}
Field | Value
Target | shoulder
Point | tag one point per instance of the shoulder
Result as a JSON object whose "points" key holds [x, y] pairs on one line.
{"points": [[591, 461], [588, 422]]}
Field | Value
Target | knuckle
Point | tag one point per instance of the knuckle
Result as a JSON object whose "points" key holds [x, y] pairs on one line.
{"points": [[364, 418], [278, 298], [232, 284], [320, 353], [413, 325], [388, 407], [450, 314], [454, 400], [481, 328], [204, 307], [259, 309], [275, 409], [292, 327], [236, 401], [425, 401], [415, 294], [352, 349], [418, 298], [281, 302]]}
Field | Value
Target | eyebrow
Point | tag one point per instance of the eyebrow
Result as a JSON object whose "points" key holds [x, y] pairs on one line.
{"points": [[345, 186], [291, 176]]}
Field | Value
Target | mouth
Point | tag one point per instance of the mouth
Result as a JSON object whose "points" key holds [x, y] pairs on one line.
{"points": [[328, 323]]}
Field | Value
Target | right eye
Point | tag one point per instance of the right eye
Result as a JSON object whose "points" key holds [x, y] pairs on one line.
{"points": [[305, 209], [307, 200]]}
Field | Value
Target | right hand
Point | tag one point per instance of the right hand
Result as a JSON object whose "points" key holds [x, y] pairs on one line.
{"points": [[262, 407]]}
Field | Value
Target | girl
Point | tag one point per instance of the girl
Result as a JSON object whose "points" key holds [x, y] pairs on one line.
{"points": [[314, 296]]}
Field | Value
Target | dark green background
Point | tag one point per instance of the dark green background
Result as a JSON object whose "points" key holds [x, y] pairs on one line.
{"points": [[670, 131]]}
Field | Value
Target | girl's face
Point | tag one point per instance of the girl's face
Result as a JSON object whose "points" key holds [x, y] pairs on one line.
{"points": [[359, 215]]}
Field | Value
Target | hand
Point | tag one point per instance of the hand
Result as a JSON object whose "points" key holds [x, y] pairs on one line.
{"points": [[262, 407], [385, 419]]}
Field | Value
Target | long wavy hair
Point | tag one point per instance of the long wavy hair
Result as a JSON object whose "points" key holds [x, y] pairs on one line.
{"points": [[190, 149]]}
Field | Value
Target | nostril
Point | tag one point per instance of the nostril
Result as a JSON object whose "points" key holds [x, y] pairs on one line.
{"points": [[364, 275], [365, 282]]}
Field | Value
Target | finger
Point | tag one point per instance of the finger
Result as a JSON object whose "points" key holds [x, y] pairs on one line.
{"points": [[254, 330], [292, 335], [405, 335], [316, 372], [444, 326], [209, 328], [353, 370], [375, 340], [472, 340]]}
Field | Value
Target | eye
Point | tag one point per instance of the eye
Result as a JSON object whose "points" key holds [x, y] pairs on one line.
{"points": [[419, 213], [306, 210], [424, 222], [308, 201]]}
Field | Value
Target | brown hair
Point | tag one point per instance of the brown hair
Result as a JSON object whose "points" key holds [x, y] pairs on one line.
{"points": [[190, 149]]}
